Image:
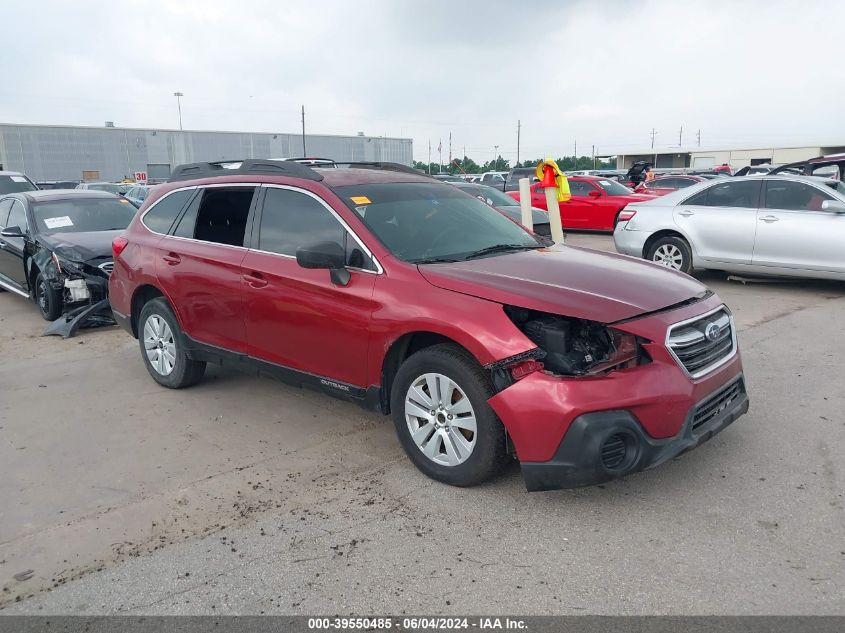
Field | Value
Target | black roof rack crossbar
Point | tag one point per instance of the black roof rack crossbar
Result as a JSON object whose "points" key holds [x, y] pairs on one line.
{"points": [[405, 169], [257, 166]]}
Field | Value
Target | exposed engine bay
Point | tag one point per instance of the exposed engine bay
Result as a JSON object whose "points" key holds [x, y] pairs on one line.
{"points": [[576, 347]]}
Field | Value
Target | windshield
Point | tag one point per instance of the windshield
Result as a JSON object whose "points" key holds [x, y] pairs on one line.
{"points": [[430, 221], [613, 188], [82, 215], [491, 196], [14, 184], [105, 186]]}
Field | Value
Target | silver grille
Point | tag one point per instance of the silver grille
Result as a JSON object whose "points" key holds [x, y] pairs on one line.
{"points": [[107, 267], [704, 343]]}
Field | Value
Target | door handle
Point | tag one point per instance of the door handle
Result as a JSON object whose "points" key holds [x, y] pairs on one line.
{"points": [[172, 259], [769, 219], [255, 280], [686, 213]]}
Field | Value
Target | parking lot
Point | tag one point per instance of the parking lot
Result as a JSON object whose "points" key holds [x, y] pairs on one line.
{"points": [[243, 495]]}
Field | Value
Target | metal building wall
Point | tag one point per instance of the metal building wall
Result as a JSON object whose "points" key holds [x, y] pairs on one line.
{"points": [[63, 153]]}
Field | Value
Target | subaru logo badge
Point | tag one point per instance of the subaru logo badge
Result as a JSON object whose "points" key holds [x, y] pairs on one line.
{"points": [[712, 331]]}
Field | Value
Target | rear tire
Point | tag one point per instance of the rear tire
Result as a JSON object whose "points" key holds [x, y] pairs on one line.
{"points": [[439, 404], [673, 252], [163, 347], [49, 300]]}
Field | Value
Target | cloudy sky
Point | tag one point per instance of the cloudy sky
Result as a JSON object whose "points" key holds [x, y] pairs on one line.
{"points": [[601, 73]]}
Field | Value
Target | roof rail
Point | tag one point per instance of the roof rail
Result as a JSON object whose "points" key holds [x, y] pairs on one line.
{"points": [[383, 166], [259, 166]]}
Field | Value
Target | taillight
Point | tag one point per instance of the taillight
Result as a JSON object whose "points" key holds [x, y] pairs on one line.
{"points": [[626, 214], [118, 244]]}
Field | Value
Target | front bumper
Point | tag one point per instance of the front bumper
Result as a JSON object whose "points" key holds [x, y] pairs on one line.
{"points": [[581, 458]]}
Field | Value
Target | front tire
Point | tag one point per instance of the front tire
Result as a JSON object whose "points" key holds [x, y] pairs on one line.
{"points": [[439, 404], [673, 252], [163, 347], [48, 299]]}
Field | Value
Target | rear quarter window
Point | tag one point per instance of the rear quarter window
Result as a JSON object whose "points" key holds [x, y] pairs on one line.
{"points": [[160, 217]]}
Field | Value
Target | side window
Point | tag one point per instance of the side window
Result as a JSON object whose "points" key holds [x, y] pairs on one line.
{"points": [[797, 196], [580, 188], [221, 215], [17, 216], [743, 193], [188, 221], [290, 220], [159, 218], [699, 199], [5, 207]]}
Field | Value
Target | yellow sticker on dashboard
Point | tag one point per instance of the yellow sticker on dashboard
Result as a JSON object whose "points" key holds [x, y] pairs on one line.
{"points": [[360, 200]]}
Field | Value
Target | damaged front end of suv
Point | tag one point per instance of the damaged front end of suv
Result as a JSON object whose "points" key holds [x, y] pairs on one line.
{"points": [[77, 279]]}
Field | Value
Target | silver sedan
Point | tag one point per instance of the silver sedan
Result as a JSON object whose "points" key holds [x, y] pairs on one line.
{"points": [[760, 225]]}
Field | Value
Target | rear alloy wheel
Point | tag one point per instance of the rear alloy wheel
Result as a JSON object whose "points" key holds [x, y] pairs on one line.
{"points": [[163, 349], [439, 404], [672, 252], [48, 299]]}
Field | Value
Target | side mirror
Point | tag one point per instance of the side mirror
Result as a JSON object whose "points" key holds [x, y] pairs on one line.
{"points": [[328, 255], [595, 193], [828, 205], [13, 231]]}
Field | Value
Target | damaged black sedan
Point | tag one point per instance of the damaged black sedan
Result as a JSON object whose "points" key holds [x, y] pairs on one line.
{"points": [[55, 247]]}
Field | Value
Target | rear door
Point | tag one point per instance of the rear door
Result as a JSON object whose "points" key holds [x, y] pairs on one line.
{"points": [[199, 263], [794, 232], [721, 221], [296, 317]]}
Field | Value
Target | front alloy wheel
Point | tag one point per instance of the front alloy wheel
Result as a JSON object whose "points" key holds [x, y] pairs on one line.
{"points": [[445, 424], [441, 419]]}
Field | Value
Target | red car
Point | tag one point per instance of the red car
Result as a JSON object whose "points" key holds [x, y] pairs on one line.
{"points": [[385, 287], [662, 185], [595, 203]]}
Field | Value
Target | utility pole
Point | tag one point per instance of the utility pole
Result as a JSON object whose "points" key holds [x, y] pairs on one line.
{"points": [[450, 150], [653, 134], [495, 157], [575, 164], [518, 130], [440, 156], [179, 96], [594, 156], [698, 137], [428, 166], [681, 137], [304, 153]]}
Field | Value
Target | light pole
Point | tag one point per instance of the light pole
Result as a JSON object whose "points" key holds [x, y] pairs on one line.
{"points": [[179, 96]]}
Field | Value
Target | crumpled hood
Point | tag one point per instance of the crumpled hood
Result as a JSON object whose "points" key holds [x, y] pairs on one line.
{"points": [[571, 281], [80, 247]]}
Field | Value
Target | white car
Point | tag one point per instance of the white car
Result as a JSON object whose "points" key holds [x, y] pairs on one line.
{"points": [[762, 225]]}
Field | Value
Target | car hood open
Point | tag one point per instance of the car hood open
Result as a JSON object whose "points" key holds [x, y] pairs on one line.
{"points": [[571, 281], [80, 247]]}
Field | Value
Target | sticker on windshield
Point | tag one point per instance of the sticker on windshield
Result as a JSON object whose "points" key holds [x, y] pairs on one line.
{"points": [[604, 183], [362, 211], [360, 200], [57, 223], [18, 178]]}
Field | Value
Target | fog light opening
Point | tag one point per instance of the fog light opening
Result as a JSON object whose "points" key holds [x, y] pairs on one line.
{"points": [[619, 452]]}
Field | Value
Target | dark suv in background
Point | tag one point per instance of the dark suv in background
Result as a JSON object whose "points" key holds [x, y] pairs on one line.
{"points": [[379, 285], [516, 174]]}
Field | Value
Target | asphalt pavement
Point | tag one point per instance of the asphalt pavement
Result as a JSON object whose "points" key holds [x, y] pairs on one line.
{"points": [[243, 495]]}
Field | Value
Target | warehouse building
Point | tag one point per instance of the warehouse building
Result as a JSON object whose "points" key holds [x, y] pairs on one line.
{"points": [[60, 152], [698, 158]]}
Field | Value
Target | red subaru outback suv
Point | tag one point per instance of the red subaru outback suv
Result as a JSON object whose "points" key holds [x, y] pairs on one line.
{"points": [[485, 342]]}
